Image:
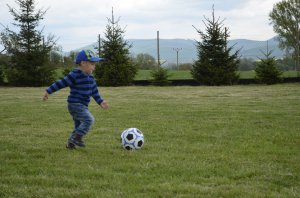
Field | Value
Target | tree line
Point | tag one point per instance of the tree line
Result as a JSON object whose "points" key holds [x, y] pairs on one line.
{"points": [[29, 58]]}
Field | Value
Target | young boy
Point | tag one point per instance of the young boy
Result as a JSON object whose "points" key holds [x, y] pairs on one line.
{"points": [[82, 86]]}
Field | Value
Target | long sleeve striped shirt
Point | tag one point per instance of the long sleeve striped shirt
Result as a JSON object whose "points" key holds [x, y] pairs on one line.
{"points": [[82, 87]]}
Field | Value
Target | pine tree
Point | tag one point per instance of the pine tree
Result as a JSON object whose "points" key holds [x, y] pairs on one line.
{"points": [[266, 70], [160, 76], [28, 50], [215, 64], [118, 68]]}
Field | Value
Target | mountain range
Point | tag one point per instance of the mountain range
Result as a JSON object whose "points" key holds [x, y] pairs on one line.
{"points": [[187, 51]]}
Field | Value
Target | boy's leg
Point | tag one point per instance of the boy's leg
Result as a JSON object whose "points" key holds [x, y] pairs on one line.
{"points": [[83, 120], [69, 144], [76, 124]]}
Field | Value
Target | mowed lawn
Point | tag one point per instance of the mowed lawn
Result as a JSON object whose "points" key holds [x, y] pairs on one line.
{"points": [[226, 141], [185, 74]]}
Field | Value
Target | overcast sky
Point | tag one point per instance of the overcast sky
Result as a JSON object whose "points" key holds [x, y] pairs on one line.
{"points": [[77, 23]]}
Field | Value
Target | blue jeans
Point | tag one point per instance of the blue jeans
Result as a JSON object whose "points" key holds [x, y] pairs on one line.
{"points": [[83, 119]]}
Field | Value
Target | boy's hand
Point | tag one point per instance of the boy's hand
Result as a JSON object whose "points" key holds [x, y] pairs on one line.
{"points": [[104, 105], [45, 98]]}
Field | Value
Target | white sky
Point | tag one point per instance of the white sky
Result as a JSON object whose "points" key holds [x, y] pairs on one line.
{"points": [[77, 23]]}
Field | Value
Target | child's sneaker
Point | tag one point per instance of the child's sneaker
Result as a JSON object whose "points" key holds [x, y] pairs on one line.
{"points": [[76, 139], [70, 145]]}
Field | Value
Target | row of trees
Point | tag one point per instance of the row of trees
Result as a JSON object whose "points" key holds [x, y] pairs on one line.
{"points": [[27, 62], [147, 62]]}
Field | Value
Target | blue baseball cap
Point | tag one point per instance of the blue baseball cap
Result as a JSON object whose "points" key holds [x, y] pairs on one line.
{"points": [[87, 55]]}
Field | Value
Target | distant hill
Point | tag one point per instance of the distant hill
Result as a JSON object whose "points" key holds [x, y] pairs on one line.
{"points": [[253, 49], [188, 52]]}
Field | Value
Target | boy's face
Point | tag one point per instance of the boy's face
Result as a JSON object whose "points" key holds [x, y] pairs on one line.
{"points": [[87, 66]]}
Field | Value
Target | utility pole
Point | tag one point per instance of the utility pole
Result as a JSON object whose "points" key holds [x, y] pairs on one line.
{"points": [[158, 58], [268, 54], [297, 50], [99, 45], [61, 54], [177, 50], [226, 35]]}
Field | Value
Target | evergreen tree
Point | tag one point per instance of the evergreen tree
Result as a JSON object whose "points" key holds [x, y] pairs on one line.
{"points": [[160, 76], [28, 49], [215, 65], [266, 70], [118, 68]]}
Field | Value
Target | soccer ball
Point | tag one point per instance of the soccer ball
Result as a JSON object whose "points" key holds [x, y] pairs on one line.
{"points": [[132, 139]]}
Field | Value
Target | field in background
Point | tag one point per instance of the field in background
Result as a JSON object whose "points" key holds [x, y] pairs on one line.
{"points": [[225, 141], [182, 75]]}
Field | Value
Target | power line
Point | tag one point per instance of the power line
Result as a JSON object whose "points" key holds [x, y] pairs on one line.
{"points": [[177, 51]]}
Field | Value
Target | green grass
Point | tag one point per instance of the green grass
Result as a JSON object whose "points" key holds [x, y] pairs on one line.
{"points": [[251, 74], [174, 74], [184, 74], [181, 75], [226, 141]]}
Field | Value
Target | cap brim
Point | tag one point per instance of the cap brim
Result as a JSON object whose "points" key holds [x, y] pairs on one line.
{"points": [[96, 59]]}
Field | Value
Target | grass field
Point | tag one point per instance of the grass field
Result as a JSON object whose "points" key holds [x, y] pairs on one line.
{"points": [[185, 74], [227, 141], [181, 75]]}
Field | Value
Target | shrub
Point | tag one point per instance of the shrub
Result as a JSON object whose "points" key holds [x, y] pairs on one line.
{"points": [[267, 72], [160, 77]]}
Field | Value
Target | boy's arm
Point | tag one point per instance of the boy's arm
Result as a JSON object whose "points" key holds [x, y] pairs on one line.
{"points": [[104, 105], [60, 84], [45, 98], [98, 98], [65, 82]]}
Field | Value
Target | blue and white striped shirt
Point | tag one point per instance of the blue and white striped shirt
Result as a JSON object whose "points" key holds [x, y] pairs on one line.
{"points": [[82, 87]]}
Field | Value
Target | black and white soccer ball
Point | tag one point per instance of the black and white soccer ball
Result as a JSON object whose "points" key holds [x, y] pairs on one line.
{"points": [[132, 139]]}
